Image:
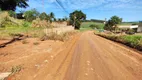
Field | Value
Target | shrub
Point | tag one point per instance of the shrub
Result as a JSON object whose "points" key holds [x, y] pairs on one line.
{"points": [[6, 20], [26, 24], [36, 43], [11, 13], [44, 16], [94, 26], [3, 18]]}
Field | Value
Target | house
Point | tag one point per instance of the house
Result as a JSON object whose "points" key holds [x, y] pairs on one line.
{"points": [[140, 27]]}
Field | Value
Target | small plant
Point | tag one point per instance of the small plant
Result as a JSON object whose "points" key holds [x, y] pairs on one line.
{"points": [[24, 42], [16, 69], [26, 24], [36, 43]]}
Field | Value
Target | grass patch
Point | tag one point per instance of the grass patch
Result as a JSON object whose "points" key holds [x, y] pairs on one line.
{"points": [[128, 23], [134, 41], [86, 25], [7, 31]]}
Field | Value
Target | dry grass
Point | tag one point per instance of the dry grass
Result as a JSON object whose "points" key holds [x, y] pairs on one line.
{"points": [[54, 36], [6, 20], [24, 42], [40, 23]]}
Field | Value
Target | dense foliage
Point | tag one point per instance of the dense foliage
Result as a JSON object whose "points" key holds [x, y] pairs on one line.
{"points": [[31, 15], [12, 4], [76, 17], [112, 23], [44, 16]]}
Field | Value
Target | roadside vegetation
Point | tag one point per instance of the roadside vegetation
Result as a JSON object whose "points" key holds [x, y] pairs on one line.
{"points": [[33, 25], [134, 41], [124, 36]]}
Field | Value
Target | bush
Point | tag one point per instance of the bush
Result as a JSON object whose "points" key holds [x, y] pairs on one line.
{"points": [[11, 13], [94, 26], [44, 16], [6, 20], [3, 18], [26, 24]]}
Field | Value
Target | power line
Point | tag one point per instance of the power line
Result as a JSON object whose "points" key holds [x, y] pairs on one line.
{"points": [[60, 4]]}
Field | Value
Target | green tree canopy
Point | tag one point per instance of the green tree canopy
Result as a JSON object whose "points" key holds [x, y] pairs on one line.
{"points": [[31, 15], [76, 17], [112, 23], [12, 4], [44, 16]]}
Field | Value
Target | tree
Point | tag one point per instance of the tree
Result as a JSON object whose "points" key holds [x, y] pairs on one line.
{"points": [[12, 4], [59, 20], [44, 16], [116, 20], [76, 17], [112, 23], [55, 19], [51, 15], [31, 15]]}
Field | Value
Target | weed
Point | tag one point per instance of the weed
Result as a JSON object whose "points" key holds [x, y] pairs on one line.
{"points": [[24, 42], [36, 43], [16, 69]]}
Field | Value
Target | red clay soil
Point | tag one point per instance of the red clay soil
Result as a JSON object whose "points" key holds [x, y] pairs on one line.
{"points": [[84, 57]]}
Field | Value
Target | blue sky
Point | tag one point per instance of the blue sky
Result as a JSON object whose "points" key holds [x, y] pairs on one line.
{"points": [[129, 10]]}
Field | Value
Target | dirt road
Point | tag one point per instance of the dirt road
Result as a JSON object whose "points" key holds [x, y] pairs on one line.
{"points": [[86, 57]]}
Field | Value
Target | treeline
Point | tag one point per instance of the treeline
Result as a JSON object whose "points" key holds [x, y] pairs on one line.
{"points": [[94, 20]]}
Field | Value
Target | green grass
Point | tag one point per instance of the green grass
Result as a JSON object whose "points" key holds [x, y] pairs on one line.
{"points": [[128, 23], [134, 41], [85, 25], [5, 32]]}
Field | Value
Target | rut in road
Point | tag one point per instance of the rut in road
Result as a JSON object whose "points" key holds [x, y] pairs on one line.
{"points": [[90, 57]]}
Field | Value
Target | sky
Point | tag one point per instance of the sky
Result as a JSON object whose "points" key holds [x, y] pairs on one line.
{"points": [[129, 10]]}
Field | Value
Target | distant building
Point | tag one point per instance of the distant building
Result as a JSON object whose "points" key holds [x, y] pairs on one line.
{"points": [[140, 27]]}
